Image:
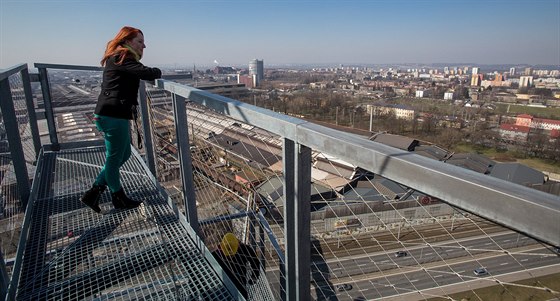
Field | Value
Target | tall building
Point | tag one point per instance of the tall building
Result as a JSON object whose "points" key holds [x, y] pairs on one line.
{"points": [[474, 70], [498, 77], [528, 71], [476, 79], [512, 71], [256, 67], [525, 81]]}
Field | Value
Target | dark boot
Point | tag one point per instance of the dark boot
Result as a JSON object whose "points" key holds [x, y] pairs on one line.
{"points": [[121, 201], [92, 196]]}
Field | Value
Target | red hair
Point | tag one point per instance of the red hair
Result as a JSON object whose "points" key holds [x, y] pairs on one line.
{"points": [[115, 46]]}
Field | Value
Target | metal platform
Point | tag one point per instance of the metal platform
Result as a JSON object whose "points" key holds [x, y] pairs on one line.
{"points": [[73, 253]]}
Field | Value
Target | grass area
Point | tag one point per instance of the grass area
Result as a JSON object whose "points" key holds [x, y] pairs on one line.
{"points": [[512, 292], [506, 156], [469, 148], [540, 164], [550, 113]]}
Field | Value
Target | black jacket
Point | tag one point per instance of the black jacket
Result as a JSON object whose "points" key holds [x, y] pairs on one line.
{"points": [[119, 90]]}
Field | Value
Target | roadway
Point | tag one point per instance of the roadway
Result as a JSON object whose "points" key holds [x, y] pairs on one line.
{"points": [[443, 251], [438, 276], [382, 274]]}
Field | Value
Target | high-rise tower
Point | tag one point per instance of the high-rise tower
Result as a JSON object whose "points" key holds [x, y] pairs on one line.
{"points": [[256, 68]]}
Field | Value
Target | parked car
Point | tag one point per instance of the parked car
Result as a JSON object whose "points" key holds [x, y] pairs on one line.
{"points": [[343, 287], [401, 254], [481, 272]]}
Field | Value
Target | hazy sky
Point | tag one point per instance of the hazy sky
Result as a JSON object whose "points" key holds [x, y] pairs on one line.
{"points": [[184, 32]]}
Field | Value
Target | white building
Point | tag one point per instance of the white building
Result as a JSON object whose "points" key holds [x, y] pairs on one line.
{"points": [[400, 111], [256, 67], [525, 81]]}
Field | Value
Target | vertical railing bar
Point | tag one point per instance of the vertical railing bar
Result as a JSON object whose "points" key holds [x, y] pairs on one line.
{"points": [[297, 215], [185, 161], [261, 246], [303, 224], [31, 111], [49, 113], [287, 281], [14, 140], [146, 121], [4, 278]]}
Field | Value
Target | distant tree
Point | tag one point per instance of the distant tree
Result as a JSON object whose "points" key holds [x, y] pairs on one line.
{"points": [[554, 150], [464, 94], [414, 125], [403, 125], [389, 92], [429, 125], [300, 104], [537, 141], [449, 137], [389, 122], [439, 91]]}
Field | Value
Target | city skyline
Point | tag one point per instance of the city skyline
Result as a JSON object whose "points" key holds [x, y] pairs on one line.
{"points": [[206, 33]]}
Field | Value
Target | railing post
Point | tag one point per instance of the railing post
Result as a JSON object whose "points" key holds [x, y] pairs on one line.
{"points": [[146, 122], [4, 278], [297, 218], [31, 111], [49, 112], [185, 161], [14, 140], [261, 245]]}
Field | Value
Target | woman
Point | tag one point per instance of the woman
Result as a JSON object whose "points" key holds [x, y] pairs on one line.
{"points": [[115, 108]]}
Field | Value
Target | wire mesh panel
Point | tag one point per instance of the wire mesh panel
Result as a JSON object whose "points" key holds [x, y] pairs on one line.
{"points": [[23, 120], [140, 254], [163, 131], [74, 95], [377, 239], [11, 205], [222, 180], [372, 238]]}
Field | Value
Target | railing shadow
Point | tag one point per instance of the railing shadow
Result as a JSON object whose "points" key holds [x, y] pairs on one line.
{"points": [[80, 250], [320, 274]]}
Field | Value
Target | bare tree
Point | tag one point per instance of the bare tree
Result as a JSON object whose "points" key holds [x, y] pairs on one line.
{"points": [[537, 141]]}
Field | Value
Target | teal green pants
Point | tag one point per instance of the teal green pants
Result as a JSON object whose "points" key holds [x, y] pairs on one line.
{"points": [[117, 145]]}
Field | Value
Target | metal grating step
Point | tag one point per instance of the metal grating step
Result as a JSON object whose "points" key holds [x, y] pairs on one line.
{"points": [[74, 253]]}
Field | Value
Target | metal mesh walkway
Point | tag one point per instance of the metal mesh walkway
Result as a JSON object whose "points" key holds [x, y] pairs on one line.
{"points": [[73, 253]]}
